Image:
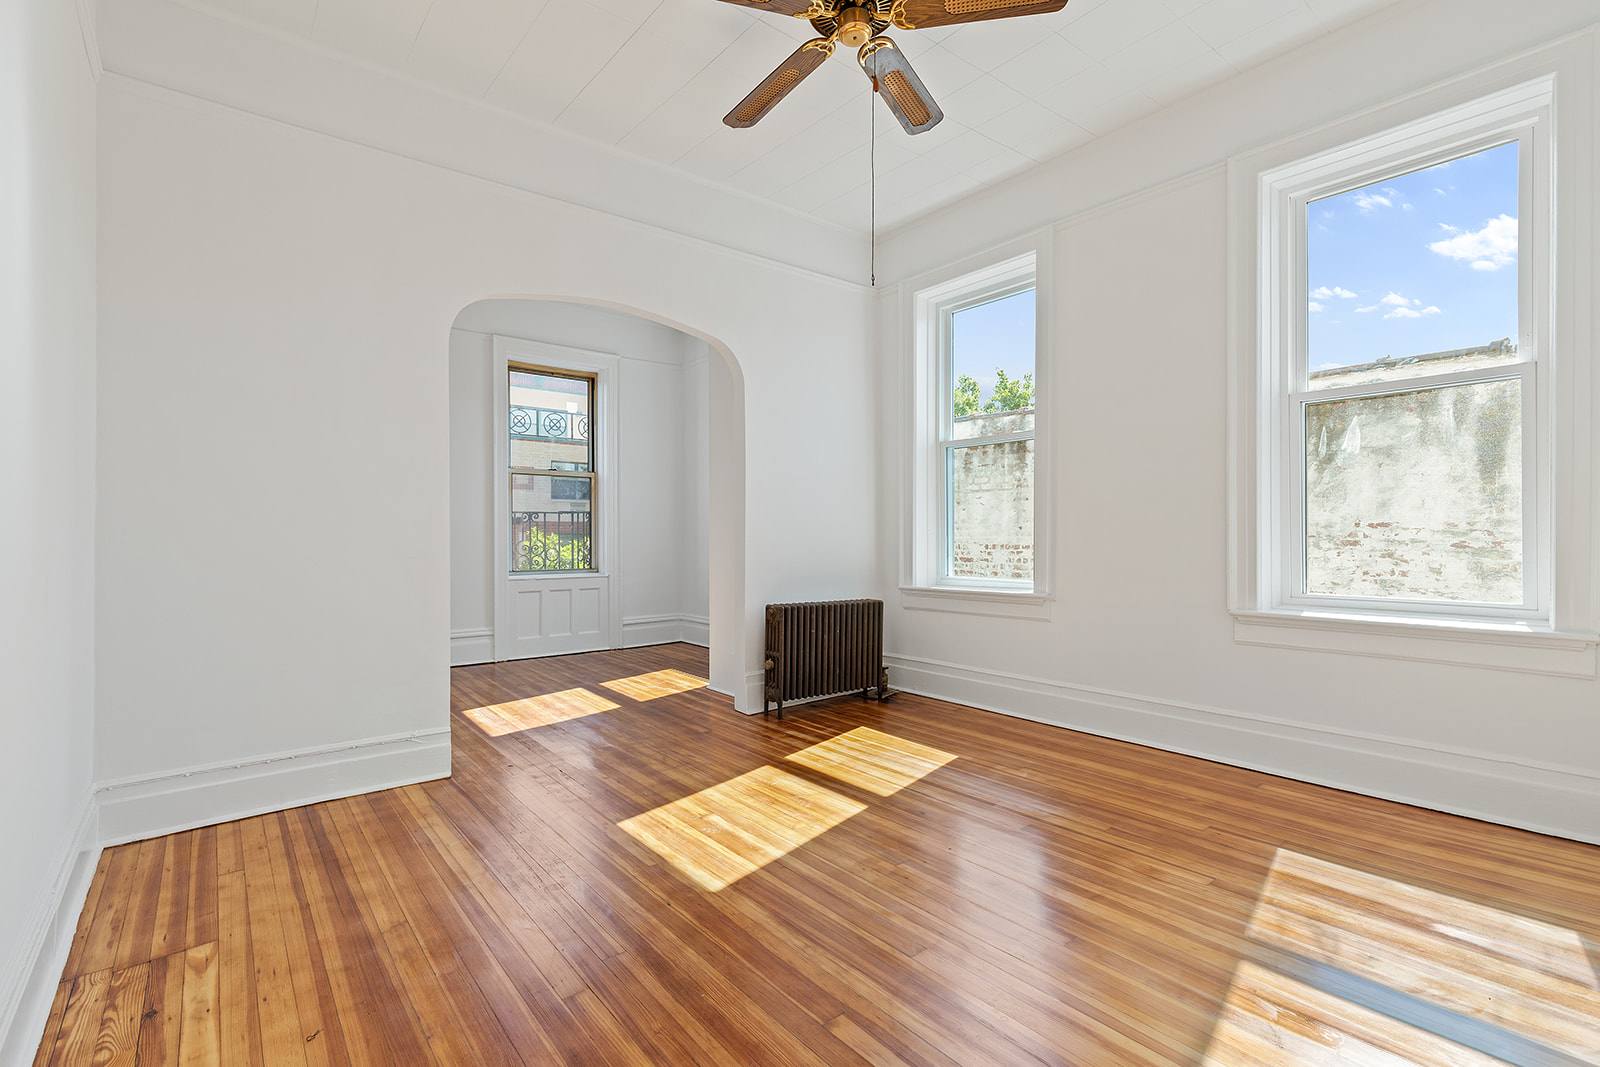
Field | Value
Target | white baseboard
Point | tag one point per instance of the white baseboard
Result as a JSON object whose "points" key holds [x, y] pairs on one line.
{"points": [[695, 630], [1548, 799], [471, 646], [640, 630], [50, 929], [137, 808]]}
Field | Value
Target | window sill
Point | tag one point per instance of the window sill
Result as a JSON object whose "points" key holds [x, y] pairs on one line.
{"points": [[977, 600], [1493, 644]]}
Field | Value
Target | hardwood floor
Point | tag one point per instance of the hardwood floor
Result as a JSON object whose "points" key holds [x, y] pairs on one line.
{"points": [[621, 870]]}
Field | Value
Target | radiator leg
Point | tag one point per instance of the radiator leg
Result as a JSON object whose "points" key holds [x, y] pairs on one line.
{"points": [[780, 707]]}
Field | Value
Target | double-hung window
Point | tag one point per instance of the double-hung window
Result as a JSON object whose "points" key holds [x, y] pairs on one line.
{"points": [[976, 466], [1395, 445], [551, 470]]}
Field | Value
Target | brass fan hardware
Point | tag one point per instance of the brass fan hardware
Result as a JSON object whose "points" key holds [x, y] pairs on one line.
{"points": [[860, 24]]}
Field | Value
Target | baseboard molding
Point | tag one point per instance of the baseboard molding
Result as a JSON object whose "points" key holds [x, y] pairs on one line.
{"points": [[50, 928], [471, 646], [640, 630], [1548, 799], [137, 808], [695, 630]]}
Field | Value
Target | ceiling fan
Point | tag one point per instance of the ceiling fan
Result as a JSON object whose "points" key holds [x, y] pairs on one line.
{"points": [[860, 24]]}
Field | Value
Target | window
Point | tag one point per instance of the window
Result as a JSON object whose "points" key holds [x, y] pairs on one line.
{"points": [[1404, 428], [987, 438], [976, 466], [1414, 481], [551, 470]]}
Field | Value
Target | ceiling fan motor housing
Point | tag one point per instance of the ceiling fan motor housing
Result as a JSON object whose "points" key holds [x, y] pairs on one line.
{"points": [[855, 26]]}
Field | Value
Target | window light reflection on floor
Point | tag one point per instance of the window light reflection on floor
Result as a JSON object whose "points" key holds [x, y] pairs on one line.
{"points": [[731, 829], [872, 760], [513, 716], [1484, 971], [655, 684]]}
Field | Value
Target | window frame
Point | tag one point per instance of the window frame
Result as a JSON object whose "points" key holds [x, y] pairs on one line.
{"points": [[928, 305], [513, 366], [1552, 90], [1284, 226]]}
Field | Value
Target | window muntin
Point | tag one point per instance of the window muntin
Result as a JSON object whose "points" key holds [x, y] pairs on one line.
{"points": [[1412, 459], [551, 463], [987, 424]]}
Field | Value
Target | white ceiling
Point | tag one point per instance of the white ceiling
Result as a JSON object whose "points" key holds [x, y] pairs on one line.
{"points": [[655, 77]]}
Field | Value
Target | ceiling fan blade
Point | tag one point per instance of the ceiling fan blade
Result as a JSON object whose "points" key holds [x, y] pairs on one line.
{"points": [[922, 14], [775, 86], [794, 8], [899, 85]]}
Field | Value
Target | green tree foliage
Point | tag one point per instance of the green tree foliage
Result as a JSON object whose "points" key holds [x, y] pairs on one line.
{"points": [[967, 393], [1010, 394], [540, 551]]}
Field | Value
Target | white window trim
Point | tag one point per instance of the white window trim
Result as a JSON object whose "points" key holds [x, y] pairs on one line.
{"points": [[605, 367], [1547, 94], [925, 302]]}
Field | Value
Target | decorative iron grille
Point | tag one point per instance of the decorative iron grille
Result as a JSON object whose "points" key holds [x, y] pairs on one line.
{"points": [[552, 540], [547, 424]]}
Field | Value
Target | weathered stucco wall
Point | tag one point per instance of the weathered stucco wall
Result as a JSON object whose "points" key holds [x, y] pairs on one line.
{"points": [[992, 525], [1417, 495]]}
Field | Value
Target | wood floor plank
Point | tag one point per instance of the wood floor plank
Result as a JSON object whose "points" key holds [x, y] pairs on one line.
{"points": [[161, 1023], [621, 870], [201, 1037], [52, 1023]]}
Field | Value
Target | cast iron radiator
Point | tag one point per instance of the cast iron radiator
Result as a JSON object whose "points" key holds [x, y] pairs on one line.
{"points": [[822, 648]]}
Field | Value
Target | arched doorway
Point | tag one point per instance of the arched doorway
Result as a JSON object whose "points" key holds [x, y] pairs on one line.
{"points": [[629, 528]]}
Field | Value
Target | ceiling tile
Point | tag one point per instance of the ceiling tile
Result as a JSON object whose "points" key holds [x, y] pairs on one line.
{"points": [[986, 45], [980, 101], [291, 16], [1110, 28], [540, 80], [463, 43], [618, 98], [1051, 61], [1279, 35], [381, 31], [1222, 21]]}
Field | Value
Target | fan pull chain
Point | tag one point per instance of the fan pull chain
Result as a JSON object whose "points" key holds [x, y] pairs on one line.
{"points": [[872, 164]]}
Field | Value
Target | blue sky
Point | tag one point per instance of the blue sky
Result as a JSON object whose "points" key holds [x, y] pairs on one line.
{"points": [[998, 334], [1420, 263]]}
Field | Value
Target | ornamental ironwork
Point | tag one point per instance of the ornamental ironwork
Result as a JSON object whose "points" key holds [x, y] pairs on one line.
{"points": [[547, 424], [552, 541]]}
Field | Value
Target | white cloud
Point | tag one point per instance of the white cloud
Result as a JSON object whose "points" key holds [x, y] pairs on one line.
{"points": [[1323, 292], [1365, 310], [1490, 248], [1370, 202], [1314, 307], [1403, 307], [1412, 313]]}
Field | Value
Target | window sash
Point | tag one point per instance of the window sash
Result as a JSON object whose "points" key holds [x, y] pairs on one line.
{"points": [[1287, 541], [1295, 521]]}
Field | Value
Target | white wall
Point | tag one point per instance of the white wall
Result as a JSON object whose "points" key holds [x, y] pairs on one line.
{"points": [[273, 550], [1140, 644], [663, 466], [47, 432]]}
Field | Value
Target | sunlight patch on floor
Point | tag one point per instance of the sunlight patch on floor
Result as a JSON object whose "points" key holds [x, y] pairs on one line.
{"points": [[497, 720], [872, 760], [724, 832], [1270, 1018], [655, 684], [1411, 950]]}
